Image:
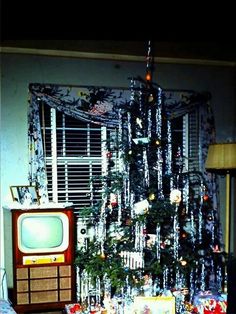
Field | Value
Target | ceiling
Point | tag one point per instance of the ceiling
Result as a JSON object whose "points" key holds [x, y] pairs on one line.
{"points": [[221, 51]]}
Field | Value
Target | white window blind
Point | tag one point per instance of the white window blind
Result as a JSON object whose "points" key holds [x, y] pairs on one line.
{"points": [[74, 153]]}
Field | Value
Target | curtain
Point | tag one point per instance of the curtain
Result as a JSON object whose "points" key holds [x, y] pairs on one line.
{"points": [[99, 105]]}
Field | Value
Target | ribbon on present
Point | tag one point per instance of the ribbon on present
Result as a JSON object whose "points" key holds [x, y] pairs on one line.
{"points": [[215, 307]]}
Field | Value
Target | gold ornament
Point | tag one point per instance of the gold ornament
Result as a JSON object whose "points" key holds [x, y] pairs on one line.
{"points": [[151, 197]]}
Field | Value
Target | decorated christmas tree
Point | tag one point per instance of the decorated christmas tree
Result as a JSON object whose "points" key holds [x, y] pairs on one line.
{"points": [[155, 231]]}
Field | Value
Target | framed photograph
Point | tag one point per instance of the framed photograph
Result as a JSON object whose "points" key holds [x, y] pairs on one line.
{"points": [[157, 305], [25, 195]]}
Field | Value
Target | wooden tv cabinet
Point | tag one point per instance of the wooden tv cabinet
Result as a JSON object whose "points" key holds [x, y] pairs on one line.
{"points": [[44, 285]]}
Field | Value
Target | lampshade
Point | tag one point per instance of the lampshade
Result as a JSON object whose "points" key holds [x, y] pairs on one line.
{"points": [[221, 156]]}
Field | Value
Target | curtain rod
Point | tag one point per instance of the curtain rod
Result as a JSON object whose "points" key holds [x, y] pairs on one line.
{"points": [[112, 87]]}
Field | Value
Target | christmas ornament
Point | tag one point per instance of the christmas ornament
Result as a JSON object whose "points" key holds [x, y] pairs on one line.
{"points": [[175, 196], [109, 154], [113, 199], [151, 197]]}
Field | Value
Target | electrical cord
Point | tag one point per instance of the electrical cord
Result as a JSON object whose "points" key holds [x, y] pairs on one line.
{"points": [[2, 280]]}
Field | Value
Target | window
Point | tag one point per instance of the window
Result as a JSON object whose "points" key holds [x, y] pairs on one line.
{"points": [[74, 153]]}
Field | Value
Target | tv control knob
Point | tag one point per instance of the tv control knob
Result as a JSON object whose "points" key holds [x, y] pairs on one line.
{"points": [[34, 260], [54, 259]]}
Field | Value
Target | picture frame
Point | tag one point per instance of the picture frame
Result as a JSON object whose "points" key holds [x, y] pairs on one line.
{"points": [[157, 305], [25, 194]]}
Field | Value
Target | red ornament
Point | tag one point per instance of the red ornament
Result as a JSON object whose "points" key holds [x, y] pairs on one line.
{"points": [[216, 249], [77, 307], [109, 154], [205, 197], [162, 245], [113, 199]]}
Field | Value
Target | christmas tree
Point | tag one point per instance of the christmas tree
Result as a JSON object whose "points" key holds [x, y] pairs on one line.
{"points": [[152, 234]]}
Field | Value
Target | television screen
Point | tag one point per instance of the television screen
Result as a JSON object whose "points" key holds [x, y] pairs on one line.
{"points": [[43, 232]]}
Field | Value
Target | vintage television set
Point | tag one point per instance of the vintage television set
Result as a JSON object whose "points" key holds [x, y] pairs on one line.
{"points": [[43, 255]]}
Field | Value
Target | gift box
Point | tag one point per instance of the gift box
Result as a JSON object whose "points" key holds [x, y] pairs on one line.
{"points": [[208, 303], [153, 305], [77, 308], [73, 308]]}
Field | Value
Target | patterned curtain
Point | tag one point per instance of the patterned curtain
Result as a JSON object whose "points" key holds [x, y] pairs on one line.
{"points": [[99, 105]]}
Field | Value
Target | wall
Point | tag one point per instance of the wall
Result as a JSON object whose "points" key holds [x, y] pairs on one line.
{"points": [[20, 70]]}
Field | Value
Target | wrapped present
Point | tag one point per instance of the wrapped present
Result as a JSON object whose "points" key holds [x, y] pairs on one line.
{"points": [[153, 305], [74, 308], [209, 303], [77, 308]]}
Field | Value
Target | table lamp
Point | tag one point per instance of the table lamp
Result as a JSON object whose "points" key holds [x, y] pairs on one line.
{"points": [[221, 159]]}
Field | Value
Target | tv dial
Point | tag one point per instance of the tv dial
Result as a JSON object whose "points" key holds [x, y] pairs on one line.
{"points": [[43, 259]]}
